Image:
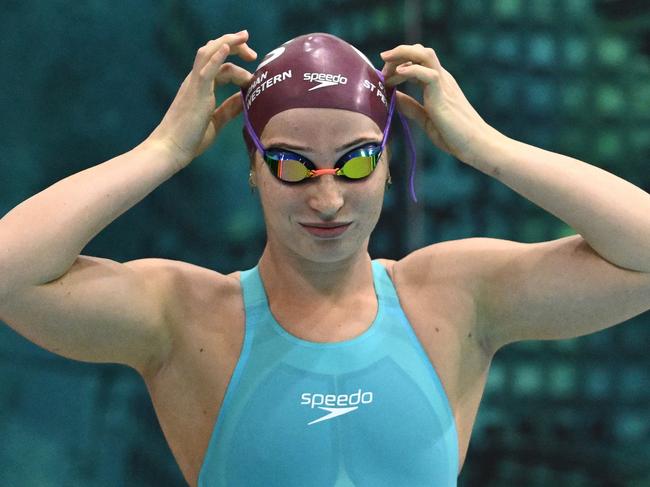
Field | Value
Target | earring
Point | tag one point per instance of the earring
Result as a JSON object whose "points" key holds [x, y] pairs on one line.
{"points": [[389, 181], [251, 183]]}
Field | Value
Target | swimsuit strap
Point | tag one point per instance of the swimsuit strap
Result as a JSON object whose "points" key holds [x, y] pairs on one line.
{"points": [[384, 286], [252, 288]]}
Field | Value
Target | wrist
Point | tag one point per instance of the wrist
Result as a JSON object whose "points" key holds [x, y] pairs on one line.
{"points": [[486, 145], [167, 150]]}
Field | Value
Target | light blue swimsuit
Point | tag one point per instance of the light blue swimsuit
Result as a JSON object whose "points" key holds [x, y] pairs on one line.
{"points": [[366, 412]]}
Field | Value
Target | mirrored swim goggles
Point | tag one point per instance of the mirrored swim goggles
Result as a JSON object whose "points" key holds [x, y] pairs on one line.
{"points": [[356, 164], [290, 167]]}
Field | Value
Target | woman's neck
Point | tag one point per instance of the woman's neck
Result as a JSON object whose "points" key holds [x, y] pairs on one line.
{"points": [[322, 294], [308, 279]]}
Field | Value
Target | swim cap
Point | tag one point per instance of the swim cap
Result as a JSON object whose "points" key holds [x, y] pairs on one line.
{"points": [[314, 71], [318, 71]]}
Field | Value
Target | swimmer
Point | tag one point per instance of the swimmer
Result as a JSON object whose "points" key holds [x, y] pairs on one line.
{"points": [[321, 366]]}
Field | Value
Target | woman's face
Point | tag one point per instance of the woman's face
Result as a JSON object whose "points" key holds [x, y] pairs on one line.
{"points": [[325, 218]]}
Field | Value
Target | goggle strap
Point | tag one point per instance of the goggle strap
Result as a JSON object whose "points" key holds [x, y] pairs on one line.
{"points": [[411, 146], [391, 109], [319, 172], [407, 132], [248, 125]]}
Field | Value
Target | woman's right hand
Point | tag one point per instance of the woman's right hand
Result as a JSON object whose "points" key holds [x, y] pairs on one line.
{"points": [[193, 120]]}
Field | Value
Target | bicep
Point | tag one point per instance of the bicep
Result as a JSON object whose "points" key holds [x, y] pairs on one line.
{"points": [[99, 311], [555, 290]]}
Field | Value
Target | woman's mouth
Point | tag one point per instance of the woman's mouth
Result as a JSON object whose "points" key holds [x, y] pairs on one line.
{"points": [[326, 230]]}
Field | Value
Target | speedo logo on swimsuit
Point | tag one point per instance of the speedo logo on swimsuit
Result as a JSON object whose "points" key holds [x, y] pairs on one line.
{"points": [[335, 404], [325, 79]]}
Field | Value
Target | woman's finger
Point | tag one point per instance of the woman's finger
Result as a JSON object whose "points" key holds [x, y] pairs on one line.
{"points": [[212, 66], [391, 77], [215, 66], [418, 54], [411, 108], [229, 109], [236, 44], [244, 51], [420, 73], [231, 73], [205, 52], [395, 81], [414, 110], [388, 69]]}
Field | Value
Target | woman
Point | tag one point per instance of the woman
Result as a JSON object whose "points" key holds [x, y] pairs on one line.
{"points": [[320, 366]]}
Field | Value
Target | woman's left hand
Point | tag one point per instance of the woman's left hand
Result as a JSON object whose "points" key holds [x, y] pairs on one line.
{"points": [[447, 117]]}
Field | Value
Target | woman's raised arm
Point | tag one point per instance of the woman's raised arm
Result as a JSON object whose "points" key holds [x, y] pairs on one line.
{"points": [[96, 309]]}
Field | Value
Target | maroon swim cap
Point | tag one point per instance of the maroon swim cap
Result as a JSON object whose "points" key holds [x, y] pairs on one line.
{"points": [[314, 71]]}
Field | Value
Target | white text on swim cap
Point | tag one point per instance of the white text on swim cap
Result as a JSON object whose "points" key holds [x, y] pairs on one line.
{"points": [[379, 91], [325, 79], [261, 84]]}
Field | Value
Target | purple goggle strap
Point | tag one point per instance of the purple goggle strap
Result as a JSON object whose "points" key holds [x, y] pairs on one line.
{"points": [[407, 132], [249, 127], [391, 109]]}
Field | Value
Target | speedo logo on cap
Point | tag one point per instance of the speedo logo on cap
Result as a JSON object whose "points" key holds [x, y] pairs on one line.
{"points": [[324, 79]]}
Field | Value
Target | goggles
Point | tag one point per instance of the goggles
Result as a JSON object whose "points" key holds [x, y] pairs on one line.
{"points": [[357, 164], [290, 167]]}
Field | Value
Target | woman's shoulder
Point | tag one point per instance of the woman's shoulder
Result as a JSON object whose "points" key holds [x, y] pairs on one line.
{"points": [[190, 286], [451, 261], [181, 272]]}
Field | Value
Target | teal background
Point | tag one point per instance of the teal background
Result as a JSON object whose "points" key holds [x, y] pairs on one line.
{"points": [[85, 81]]}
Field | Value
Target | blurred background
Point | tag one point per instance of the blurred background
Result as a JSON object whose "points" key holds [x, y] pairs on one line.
{"points": [[87, 80]]}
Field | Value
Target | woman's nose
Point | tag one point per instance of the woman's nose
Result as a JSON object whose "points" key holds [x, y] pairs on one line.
{"points": [[326, 196]]}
